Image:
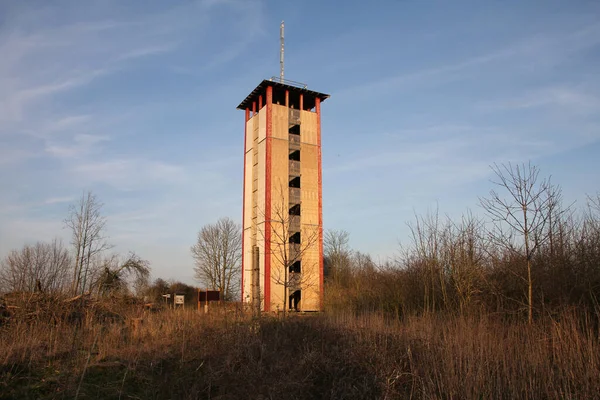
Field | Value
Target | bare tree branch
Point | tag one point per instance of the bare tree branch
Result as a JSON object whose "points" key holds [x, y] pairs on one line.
{"points": [[520, 220], [39, 267], [217, 254], [87, 224]]}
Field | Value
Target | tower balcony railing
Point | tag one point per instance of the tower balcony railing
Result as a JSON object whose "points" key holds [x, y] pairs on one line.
{"points": [[294, 141], [289, 82], [295, 195], [295, 252], [294, 282], [294, 168], [294, 224], [294, 117]]}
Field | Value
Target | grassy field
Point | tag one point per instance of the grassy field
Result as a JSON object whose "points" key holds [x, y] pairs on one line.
{"points": [[131, 354]]}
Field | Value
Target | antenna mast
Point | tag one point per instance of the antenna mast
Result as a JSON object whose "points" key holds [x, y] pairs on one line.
{"points": [[281, 52]]}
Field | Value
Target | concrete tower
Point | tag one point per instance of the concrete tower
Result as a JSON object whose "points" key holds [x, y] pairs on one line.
{"points": [[282, 259]]}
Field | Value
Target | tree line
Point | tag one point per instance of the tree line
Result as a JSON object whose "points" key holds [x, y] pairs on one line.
{"points": [[86, 265], [85, 268], [527, 255]]}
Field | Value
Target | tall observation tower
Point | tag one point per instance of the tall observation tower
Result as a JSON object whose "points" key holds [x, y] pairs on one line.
{"points": [[282, 259]]}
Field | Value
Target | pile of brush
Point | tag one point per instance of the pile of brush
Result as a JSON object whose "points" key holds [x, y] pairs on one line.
{"points": [[55, 308]]}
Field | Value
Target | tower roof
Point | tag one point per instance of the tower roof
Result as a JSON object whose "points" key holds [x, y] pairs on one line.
{"points": [[279, 88]]}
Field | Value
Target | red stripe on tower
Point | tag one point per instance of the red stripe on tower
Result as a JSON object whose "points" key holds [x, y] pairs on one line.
{"points": [[269, 134], [320, 183], [244, 197]]}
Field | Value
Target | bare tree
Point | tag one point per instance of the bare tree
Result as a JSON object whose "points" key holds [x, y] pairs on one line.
{"points": [[520, 220], [290, 243], [593, 207], [141, 285], [337, 254], [114, 275], [87, 224], [157, 289], [425, 236], [40, 267], [217, 254], [463, 258]]}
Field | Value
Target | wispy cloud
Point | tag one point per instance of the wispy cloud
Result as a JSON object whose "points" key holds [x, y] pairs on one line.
{"points": [[567, 99], [420, 146], [129, 174], [10, 155], [66, 123], [82, 145], [443, 155], [58, 200], [540, 51], [145, 52]]}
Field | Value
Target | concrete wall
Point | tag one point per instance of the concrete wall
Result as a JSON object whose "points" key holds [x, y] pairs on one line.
{"points": [[247, 214], [254, 199], [309, 168]]}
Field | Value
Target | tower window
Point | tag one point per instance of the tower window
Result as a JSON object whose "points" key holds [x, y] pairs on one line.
{"points": [[295, 182], [294, 130], [295, 155], [295, 209], [296, 267], [295, 238]]}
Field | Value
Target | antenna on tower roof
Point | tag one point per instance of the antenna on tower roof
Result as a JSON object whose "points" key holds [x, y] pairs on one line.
{"points": [[281, 52]]}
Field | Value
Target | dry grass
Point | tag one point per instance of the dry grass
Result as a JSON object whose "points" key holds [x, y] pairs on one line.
{"points": [[189, 355], [481, 358]]}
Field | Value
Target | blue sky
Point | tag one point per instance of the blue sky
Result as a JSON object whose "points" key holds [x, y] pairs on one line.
{"points": [[136, 102]]}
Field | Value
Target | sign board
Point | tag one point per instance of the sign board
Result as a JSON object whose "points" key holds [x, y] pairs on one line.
{"points": [[179, 299], [207, 296], [213, 295], [167, 296]]}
